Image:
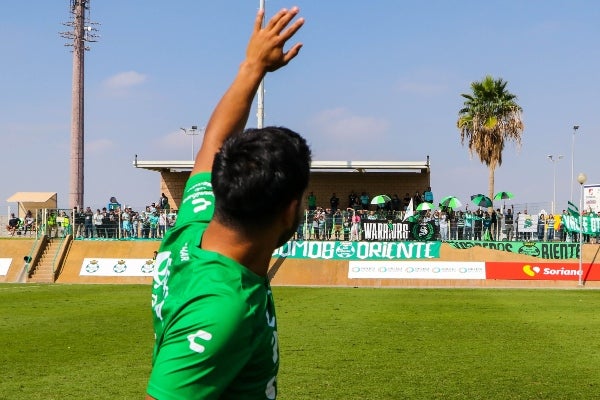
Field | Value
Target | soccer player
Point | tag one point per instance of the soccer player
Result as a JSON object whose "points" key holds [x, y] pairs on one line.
{"points": [[214, 317]]}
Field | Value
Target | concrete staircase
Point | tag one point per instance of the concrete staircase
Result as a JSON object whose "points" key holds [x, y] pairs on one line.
{"points": [[43, 272]]}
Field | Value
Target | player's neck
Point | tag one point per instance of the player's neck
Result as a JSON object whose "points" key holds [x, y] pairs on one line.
{"points": [[254, 253]]}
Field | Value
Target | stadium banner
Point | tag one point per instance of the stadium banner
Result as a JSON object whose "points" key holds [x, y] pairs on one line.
{"points": [[117, 267], [387, 230], [4, 265], [546, 250], [591, 224], [527, 223], [544, 271], [337, 250], [382, 230], [591, 198], [416, 270]]}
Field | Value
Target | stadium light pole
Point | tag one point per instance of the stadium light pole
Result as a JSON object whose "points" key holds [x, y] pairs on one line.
{"points": [[554, 160], [193, 131], [260, 107], [581, 178], [575, 127]]}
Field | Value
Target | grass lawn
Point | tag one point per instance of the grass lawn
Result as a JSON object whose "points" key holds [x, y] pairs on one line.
{"points": [[95, 341]]}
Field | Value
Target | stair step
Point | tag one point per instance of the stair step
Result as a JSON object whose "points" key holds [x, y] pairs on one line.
{"points": [[44, 269]]}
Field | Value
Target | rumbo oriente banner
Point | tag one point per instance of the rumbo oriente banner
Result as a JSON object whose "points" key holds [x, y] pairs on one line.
{"points": [[338, 250], [547, 250]]}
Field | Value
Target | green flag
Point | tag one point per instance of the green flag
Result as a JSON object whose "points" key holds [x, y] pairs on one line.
{"points": [[487, 235], [573, 209]]}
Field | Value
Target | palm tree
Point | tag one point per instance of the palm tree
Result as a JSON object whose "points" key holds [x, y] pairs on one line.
{"points": [[489, 118]]}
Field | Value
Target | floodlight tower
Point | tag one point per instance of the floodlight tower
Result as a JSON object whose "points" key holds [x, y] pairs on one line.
{"points": [[575, 127], [554, 159], [82, 32], [260, 108]]}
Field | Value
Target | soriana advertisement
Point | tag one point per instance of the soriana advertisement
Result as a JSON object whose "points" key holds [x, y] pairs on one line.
{"points": [[544, 271]]}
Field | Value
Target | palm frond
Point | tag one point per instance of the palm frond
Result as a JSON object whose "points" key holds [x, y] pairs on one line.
{"points": [[489, 118]]}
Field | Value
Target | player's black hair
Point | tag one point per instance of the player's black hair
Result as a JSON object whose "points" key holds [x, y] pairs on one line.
{"points": [[257, 173]]}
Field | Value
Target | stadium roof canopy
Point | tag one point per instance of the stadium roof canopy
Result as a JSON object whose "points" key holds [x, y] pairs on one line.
{"points": [[33, 200], [316, 166]]}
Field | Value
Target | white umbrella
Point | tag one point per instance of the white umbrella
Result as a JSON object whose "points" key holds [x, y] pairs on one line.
{"points": [[380, 199], [425, 206]]}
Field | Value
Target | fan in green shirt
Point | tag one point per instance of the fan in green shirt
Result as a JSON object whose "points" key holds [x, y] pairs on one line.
{"points": [[213, 311]]}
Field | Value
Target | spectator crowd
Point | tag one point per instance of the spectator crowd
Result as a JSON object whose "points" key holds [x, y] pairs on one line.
{"points": [[110, 222], [346, 223], [115, 221], [334, 222]]}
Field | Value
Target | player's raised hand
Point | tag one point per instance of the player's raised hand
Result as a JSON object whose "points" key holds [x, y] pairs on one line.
{"points": [[266, 47]]}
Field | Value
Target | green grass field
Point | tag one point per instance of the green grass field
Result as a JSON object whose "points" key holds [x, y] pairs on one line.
{"points": [[95, 341]]}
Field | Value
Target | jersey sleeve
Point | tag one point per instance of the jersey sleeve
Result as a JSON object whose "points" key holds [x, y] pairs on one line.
{"points": [[202, 351], [198, 201]]}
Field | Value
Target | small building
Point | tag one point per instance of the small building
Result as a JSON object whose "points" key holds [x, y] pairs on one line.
{"points": [[33, 200], [326, 178]]}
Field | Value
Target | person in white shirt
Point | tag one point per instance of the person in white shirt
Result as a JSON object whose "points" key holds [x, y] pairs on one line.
{"points": [[97, 219], [443, 221]]}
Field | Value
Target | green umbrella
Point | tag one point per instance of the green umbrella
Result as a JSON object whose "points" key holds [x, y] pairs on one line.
{"points": [[481, 200], [503, 195], [380, 199], [412, 218], [450, 202], [425, 206]]}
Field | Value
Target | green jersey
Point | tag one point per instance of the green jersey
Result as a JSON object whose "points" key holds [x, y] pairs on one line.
{"points": [[214, 319]]}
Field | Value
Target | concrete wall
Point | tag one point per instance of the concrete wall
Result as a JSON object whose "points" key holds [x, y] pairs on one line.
{"points": [[300, 272], [172, 185], [15, 249], [81, 249], [323, 184], [290, 272]]}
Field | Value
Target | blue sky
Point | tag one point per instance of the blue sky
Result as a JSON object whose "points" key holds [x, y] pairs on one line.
{"points": [[375, 80]]}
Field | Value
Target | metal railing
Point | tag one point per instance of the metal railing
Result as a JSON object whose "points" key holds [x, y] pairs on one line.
{"points": [[144, 223]]}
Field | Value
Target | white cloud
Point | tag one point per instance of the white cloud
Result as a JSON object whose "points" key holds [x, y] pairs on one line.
{"points": [[179, 140], [339, 123], [421, 88], [124, 80], [341, 134], [175, 145], [425, 82], [98, 146]]}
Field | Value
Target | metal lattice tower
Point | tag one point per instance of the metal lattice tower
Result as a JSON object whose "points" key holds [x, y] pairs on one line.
{"points": [[83, 31]]}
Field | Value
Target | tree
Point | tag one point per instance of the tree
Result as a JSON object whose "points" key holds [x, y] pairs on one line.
{"points": [[489, 118]]}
